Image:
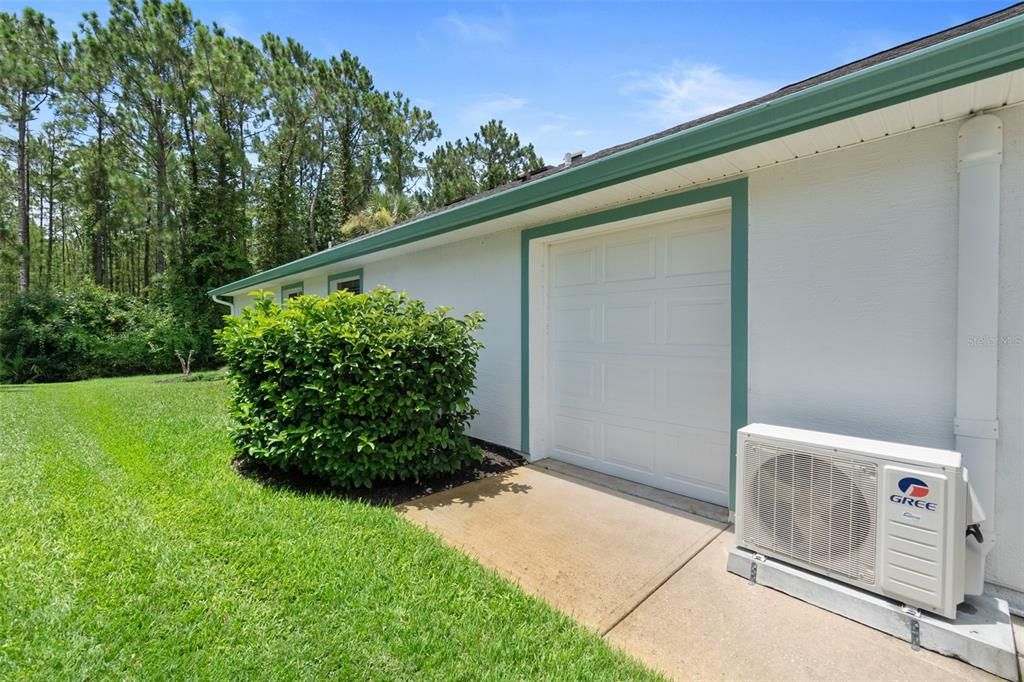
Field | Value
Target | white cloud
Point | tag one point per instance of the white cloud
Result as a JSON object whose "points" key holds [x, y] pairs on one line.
{"points": [[492, 106], [686, 91], [476, 29]]}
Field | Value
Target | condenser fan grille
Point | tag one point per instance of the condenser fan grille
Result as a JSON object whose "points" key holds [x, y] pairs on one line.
{"points": [[813, 506]]}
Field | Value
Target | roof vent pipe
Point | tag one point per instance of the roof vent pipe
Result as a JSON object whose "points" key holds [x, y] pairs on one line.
{"points": [[980, 151]]}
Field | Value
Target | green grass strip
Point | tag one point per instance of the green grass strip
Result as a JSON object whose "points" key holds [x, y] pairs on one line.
{"points": [[131, 550]]}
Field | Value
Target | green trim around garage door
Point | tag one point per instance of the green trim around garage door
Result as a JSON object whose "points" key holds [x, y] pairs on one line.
{"points": [[736, 192]]}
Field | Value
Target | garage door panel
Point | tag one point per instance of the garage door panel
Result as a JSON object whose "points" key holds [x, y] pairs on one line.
{"points": [[628, 323], [701, 461], [697, 398], [629, 447], [574, 267], [631, 259], [574, 435], [700, 322], [575, 323], [629, 385], [639, 355], [695, 252], [574, 380], [687, 390]]}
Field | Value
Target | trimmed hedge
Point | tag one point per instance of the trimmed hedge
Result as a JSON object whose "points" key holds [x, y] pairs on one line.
{"points": [[353, 388]]}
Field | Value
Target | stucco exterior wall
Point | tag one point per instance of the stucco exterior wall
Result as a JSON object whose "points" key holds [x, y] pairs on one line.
{"points": [[852, 304], [852, 310], [852, 285], [473, 274]]}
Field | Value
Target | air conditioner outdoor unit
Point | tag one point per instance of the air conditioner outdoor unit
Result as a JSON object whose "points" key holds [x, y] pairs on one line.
{"points": [[890, 518]]}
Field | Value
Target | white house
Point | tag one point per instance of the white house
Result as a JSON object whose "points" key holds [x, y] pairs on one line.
{"points": [[845, 254]]}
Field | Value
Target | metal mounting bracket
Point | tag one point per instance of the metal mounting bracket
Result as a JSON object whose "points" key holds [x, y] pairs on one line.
{"points": [[915, 626], [757, 558]]}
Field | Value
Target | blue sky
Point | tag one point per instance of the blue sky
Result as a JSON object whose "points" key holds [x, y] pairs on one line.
{"points": [[575, 76]]}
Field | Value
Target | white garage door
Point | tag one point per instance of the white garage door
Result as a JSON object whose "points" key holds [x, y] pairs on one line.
{"points": [[638, 354]]}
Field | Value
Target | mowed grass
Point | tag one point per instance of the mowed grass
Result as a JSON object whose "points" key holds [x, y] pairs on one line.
{"points": [[129, 549]]}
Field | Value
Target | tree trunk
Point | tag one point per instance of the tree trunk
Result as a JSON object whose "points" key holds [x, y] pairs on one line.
{"points": [[161, 210], [40, 266], [63, 247], [348, 169], [110, 262], [145, 267], [23, 198], [99, 213], [316, 192], [159, 132], [49, 222]]}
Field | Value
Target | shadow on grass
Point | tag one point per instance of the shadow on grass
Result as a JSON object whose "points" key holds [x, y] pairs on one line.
{"points": [[497, 460]]}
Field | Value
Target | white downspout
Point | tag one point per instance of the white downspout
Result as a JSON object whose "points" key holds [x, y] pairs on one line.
{"points": [[980, 152], [231, 306]]}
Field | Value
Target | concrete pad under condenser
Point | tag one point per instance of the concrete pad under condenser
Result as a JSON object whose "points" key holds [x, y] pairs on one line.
{"points": [[981, 634], [1018, 636], [590, 552], [706, 623]]}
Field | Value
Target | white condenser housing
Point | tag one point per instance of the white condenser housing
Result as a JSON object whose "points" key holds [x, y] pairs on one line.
{"points": [[890, 518]]}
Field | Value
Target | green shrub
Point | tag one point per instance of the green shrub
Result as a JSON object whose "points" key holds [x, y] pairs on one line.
{"points": [[352, 388], [86, 332]]}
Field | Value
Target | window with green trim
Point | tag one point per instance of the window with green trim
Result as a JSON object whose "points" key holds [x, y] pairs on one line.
{"points": [[346, 281], [291, 291]]}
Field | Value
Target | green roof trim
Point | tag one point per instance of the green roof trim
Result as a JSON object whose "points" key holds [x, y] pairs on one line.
{"points": [[986, 52]]}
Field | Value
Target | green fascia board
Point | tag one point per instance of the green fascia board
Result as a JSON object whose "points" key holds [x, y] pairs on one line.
{"points": [[983, 53], [736, 191], [348, 274]]}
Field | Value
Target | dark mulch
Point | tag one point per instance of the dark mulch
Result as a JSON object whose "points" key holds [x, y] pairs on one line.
{"points": [[497, 460]]}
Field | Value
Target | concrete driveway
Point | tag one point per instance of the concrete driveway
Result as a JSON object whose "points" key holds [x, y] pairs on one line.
{"points": [[649, 577]]}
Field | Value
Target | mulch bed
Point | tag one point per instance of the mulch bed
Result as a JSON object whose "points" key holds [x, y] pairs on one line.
{"points": [[497, 460]]}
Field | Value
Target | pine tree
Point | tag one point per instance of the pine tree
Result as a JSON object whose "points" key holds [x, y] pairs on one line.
{"points": [[403, 130], [491, 158], [28, 77], [500, 156]]}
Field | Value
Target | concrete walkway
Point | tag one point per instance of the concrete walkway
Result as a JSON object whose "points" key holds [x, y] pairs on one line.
{"points": [[650, 577]]}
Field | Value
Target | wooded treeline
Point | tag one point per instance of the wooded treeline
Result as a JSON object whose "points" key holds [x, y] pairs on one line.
{"points": [[155, 156]]}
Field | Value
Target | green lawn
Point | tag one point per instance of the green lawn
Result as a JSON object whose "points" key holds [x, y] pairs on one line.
{"points": [[129, 549]]}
